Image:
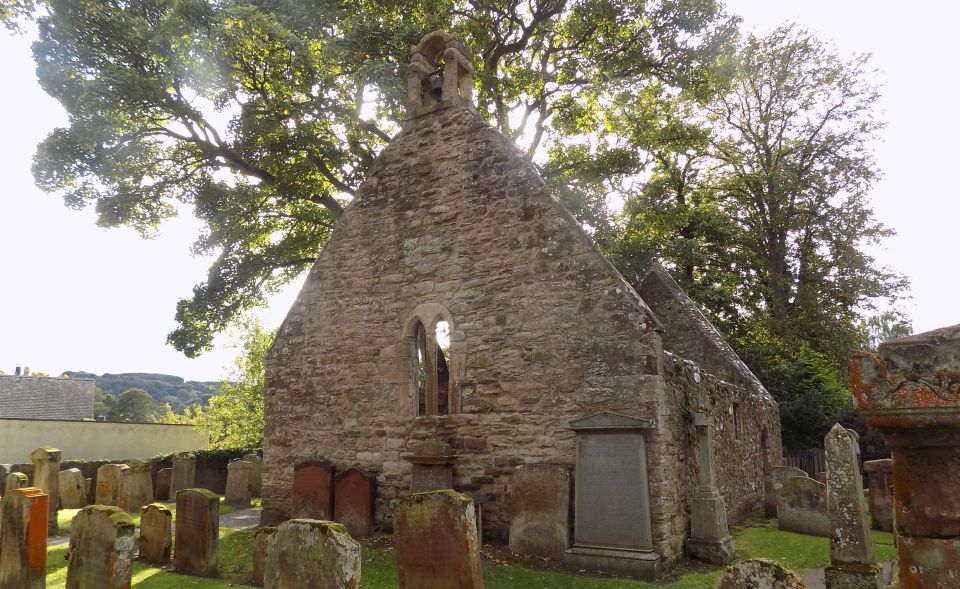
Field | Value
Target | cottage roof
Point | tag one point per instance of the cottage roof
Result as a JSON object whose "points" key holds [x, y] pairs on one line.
{"points": [[32, 397]]}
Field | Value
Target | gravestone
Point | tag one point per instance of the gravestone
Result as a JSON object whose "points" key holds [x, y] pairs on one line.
{"points": [[313, 487], [141, 485], [910, 391], [260, 540], [612, 530], [46, 477], [433, 462], [101, 549], [164, 479], [802, 507], [87, 488], [355, 498], [23, 539], [256, 475], [16, 480], [155, 533], [113, 486], [184, 474], [197, 532], [851, 549], [239, 488], [72, 489], [879, 481], [773, 482], [710, 538], [312, 553], [760, 573], [435, 542], [540, 510]]}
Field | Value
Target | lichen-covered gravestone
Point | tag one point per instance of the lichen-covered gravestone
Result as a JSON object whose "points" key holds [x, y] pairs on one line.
{"points": [[46, 477], [759, 573], [23, 539], [197, 532], [238, 490], [313, 485], [113, 486], [101, 549], [16, 480], [72, 492], [355, 497], [773, 482], [260, 539], [540, 510], [851, 550], [312, 553], [802, 507], [184, 474], [879, 481], [141, 485], [155, 534], [435, 542], [164, 479]]}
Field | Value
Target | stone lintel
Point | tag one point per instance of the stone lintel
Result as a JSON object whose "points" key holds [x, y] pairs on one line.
{"points": [[644, 564]]}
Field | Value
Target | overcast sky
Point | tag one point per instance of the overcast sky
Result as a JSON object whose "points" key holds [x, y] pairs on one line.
{"points": [[77, 297]]}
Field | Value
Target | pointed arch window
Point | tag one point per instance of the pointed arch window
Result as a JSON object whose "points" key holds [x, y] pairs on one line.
{"points": [[436, 362]]}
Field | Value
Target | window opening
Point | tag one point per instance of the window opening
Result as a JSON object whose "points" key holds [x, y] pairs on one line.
{"points": [[443, 370], [419, 355]]}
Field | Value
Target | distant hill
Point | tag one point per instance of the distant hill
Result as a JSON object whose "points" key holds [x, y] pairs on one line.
{"points": [[164, 388]]}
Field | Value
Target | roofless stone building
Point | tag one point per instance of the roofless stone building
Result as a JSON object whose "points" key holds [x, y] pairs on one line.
{"points": [[456, 299]]}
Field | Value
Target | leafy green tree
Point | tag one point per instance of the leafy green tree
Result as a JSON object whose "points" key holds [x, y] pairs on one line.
{"points": [[265, 116], [134, 405]]}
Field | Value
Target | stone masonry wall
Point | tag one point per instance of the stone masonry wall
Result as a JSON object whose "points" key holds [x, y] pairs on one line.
{"points": [[452, 214]]}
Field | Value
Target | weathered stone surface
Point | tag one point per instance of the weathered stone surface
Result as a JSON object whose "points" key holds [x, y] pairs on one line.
{"points": [[435, 542], [802, 507], [260, 541], [433, 462], [16, 480], [773, 482], [313, 486], [72, 489], [46, 477], [256, 475], [184, 473], [239, 488], [540, 510], [879, 482], [849, 533], [355, 494], [156, 525], [23, 539], [312, 553], [113, 486], [141, 485], [928, 563], [854, 576], [164, 479], [197, 532], [759, 573], [101, 549]]}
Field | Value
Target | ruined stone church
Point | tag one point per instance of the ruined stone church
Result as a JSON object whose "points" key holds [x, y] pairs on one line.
{"points": [[456, 299]]}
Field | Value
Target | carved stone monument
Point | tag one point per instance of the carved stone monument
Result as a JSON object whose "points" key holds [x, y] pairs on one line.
{"points": [[773, 482], [46, 477], [356, 495], [802, 507], [313, 485], [155, 533], [433, 463], [879, 482], [197, 532], [113, 486], [16, 480], [612, 530], [540, 510], [101, 549], [311, 553]]}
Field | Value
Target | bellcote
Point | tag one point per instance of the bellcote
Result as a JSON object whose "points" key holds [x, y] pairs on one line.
{"points": [[439, 72]]}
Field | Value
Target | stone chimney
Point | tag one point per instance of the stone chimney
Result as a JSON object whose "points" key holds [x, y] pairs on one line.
{"points": [[439, 55]]}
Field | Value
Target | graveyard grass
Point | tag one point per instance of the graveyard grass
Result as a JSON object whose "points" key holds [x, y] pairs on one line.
{"points": [[758, 538]]}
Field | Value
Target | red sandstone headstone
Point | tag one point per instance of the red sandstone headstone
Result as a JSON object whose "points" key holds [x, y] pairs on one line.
{"points": [[355, 498], [155, 534], [101, 549], [197, 532], [113, 486], [879, 480], [23, 539], [436, 543], [313, 486]]}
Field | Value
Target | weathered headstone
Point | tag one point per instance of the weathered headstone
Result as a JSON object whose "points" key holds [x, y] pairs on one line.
{"points": [[239, 491], [87, 487], [256, 475], [436, 543], [313, 490], [46, 477], [197, 532], [433, 462], [540, 510], [184, 473], [155, 533], [773, 482], [710, 538], [16, 480], [312, 553], [802, 507], [72, 495], [355, 497], [759, 573], [164, 479], [23, 539], [910, 391], [113, 486], [141, 485], [851, 550], [612, 527], [260, 539], [101, 549], [879, 480]]}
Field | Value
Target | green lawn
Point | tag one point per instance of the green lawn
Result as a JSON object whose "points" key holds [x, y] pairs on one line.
{"points": [[65, 516]]}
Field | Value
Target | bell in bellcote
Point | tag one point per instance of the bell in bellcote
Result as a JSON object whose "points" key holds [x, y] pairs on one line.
{"points": [[436, 90]]}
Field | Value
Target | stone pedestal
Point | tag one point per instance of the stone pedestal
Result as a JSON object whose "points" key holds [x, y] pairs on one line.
{"points": [[433, 463], [184, 474], [101, 549], [879, 481], [23, 539], [46, 477], [910, 391]]}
